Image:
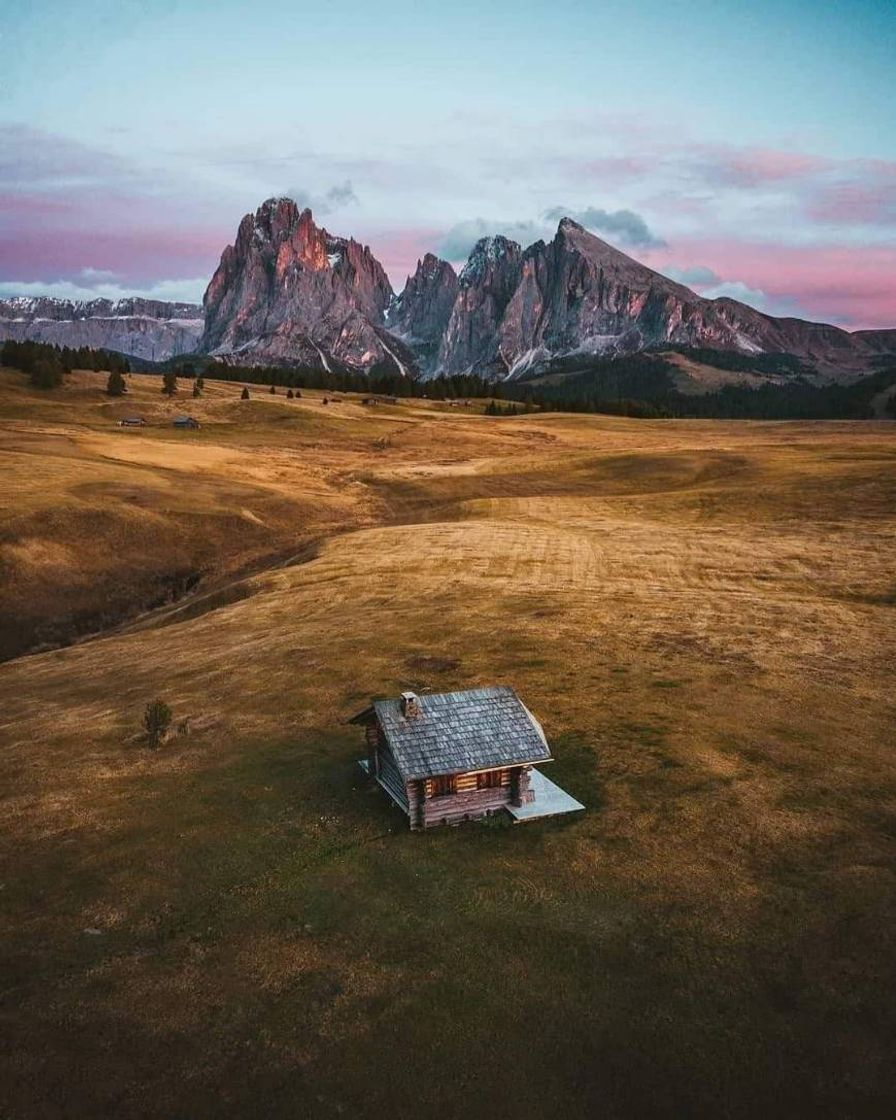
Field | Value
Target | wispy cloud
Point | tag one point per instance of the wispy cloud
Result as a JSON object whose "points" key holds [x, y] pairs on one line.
{"points": [[455, 244], [727, 166], [693, 275], [334, 198]]}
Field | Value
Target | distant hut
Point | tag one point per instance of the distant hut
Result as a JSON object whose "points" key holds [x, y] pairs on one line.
{"points": [[132, 422], [186, 422], [456, 756]]}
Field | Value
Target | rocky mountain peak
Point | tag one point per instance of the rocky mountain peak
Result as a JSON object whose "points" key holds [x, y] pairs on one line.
{"points": [[420, 314], [488, 255], [289, 291], [485, 287]]}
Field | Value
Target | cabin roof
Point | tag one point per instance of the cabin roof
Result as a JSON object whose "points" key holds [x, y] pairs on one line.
{"points": [[457, 732]]}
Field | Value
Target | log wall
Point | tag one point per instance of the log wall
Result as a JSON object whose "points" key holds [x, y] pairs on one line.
{"points": [[468, 803], [389, 776]]}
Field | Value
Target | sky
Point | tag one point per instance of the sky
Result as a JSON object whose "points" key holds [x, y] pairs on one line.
{"points": [[746, 149]]}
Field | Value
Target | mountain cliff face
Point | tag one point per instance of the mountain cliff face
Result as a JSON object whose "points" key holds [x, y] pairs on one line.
{"points": [[420, 314], [485, 286], [142, 328], [289, 292], [516, 311]]}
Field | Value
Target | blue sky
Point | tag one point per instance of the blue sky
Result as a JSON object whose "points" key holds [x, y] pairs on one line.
{"points": [[755, 142]]}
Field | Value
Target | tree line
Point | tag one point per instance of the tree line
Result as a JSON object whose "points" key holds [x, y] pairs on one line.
{"points": [[47, 365], [638, 385], [643, 385], [384, 383]]}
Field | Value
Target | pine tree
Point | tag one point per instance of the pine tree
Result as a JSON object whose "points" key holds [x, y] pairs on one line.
{"points": [[169, 382], [156, 721], [244, 396], [46, 373], [115, 386], [289, 394], [273, 389]]}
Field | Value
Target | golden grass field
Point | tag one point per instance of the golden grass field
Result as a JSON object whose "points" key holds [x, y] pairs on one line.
{"points": [[700, 613]]}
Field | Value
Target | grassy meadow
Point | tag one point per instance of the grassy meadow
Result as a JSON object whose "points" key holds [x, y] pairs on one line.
{"points": [[700, 613]]}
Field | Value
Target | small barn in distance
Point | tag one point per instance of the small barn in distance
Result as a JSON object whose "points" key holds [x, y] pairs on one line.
{"points": [[455, 756], [186, 422]]}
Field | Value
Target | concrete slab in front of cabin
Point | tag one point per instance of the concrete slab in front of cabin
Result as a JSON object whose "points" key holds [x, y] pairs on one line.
{"points": [[550, 801]]}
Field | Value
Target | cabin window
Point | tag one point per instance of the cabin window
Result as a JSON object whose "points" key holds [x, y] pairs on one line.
{"points": [[444, 785], [491, 779]]}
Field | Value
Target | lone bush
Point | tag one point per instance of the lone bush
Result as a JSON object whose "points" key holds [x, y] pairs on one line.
{"points": [[156, 720], [244, 396]]}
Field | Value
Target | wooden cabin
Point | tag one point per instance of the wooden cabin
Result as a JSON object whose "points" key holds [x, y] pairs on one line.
{"points": [[186, 422], [455, 756]]}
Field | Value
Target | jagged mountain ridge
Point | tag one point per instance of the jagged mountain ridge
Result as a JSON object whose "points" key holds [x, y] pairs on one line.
{"points": [[519, 310], [154, 330], [288, 292]]}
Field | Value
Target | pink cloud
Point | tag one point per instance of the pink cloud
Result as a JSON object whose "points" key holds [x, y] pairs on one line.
{"points": [[616, 169], [16, 207], [865, 194], [723, 165], [138, 256], [854, 286]]}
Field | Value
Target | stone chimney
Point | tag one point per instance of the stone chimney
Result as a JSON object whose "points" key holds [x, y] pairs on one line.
{"points": [[410, 708]]}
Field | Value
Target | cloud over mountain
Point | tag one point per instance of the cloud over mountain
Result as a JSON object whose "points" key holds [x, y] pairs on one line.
{"points": [[334, 198], [624, 226]]}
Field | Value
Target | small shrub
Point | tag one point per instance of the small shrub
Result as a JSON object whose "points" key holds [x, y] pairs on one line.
{"points": [[497, 819], [244, 396], [289, 394], [156, 720]]}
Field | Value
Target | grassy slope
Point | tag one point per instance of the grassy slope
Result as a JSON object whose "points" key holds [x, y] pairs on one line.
{"points": [[101, 523], [701, 615]]}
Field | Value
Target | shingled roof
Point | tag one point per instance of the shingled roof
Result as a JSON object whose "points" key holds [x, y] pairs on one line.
{"points": [[458, 732]]}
